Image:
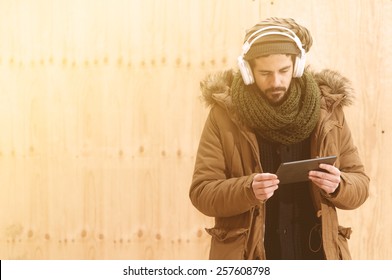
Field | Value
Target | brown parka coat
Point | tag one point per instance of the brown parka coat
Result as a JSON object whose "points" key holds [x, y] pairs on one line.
{"points": [[228, 159]]}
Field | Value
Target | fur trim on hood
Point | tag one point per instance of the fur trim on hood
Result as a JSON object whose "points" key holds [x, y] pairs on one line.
{"points": [[335, 88]]}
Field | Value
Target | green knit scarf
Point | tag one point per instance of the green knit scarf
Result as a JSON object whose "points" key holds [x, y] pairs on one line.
{"points": [[287, 123]]}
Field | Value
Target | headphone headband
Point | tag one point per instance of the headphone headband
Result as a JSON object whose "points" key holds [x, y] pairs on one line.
{"points": [[247, 45]]}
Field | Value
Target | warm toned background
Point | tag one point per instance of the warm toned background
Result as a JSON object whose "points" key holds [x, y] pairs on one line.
{"points": [[100, 118]]}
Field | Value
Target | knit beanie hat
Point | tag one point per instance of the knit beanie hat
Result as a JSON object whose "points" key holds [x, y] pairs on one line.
{"points": [[277, 44]]}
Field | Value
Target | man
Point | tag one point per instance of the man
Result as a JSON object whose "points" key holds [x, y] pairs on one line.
{"points": [[273, 111]]}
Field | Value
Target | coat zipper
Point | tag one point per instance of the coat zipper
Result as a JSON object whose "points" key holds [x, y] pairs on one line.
{"points": [[257, 157]]}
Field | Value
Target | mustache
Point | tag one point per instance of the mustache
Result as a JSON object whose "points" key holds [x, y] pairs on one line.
{"points": [[273, 89]]}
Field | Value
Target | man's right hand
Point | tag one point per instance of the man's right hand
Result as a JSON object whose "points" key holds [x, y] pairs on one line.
{"points": [[264, 185]]}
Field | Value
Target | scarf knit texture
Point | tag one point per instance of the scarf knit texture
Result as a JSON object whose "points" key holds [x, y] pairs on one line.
{"points": [[287, 123]]}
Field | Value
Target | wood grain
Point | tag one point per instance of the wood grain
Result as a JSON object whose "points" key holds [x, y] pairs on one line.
{"points": [[100, 117]]}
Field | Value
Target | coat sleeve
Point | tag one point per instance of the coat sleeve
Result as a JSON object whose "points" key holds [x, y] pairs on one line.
{"points": [[213, 192], [354, 186]]}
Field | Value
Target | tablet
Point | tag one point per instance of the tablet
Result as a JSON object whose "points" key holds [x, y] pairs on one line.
{"points": [[297, 171]]}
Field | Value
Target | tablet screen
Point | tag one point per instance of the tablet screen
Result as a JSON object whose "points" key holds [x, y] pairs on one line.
{"points": [[297, 171]]}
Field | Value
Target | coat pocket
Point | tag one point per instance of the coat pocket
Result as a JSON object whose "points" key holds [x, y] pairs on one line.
{"points": [[344, 234], [228, 244]]}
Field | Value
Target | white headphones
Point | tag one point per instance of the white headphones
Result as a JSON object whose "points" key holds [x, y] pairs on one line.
{"points": [[244, 66]]}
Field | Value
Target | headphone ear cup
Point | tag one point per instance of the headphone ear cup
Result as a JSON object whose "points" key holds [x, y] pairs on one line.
{"points": [[246, 71], [299, 66]]}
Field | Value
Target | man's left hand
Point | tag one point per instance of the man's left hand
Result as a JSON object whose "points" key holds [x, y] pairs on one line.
{"points": [[328, 181]]}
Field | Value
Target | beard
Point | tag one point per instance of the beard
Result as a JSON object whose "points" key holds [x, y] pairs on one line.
{"points": [[275, 95]]}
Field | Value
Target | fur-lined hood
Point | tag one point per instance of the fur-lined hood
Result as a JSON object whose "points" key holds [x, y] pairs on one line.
{"points": [[336, 89]]}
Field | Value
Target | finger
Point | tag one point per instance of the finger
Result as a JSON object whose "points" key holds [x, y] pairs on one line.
{"points": [[263, 195], [325, 176], [264, 176], [263, 191], [330, 168], [265, 184], [326, 185], [330, 183], [333, 177], [327, 189]]}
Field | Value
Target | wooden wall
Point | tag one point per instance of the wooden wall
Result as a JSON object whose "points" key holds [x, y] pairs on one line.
{"points": [[100, 118]]}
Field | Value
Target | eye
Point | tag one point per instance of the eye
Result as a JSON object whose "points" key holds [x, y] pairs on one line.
{"points": [[286, 69], [264, 74]]}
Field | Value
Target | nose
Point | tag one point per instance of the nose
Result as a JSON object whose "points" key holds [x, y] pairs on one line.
{"points": [[275, 80]]}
